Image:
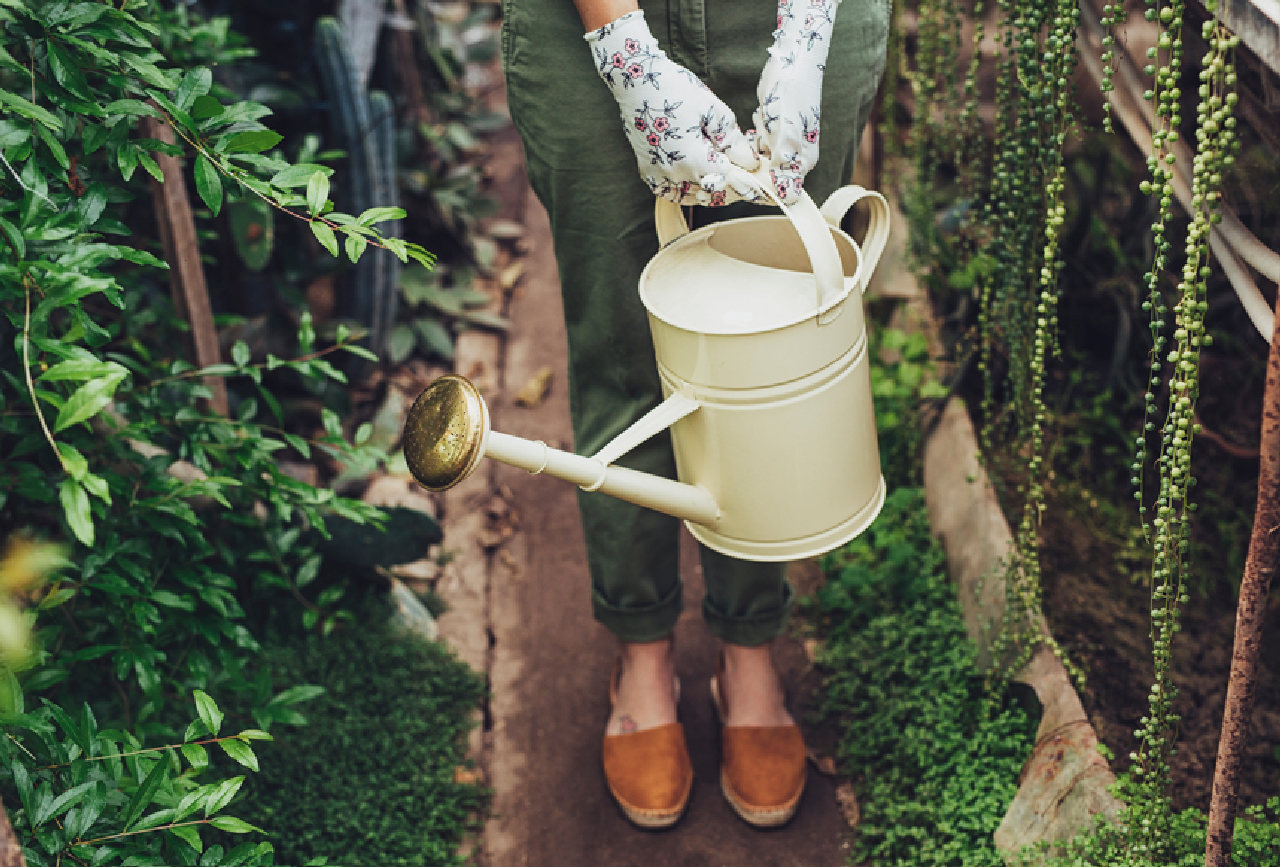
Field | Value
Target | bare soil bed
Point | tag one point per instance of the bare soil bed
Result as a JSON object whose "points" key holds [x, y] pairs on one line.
{"points": [[1102, 616]]}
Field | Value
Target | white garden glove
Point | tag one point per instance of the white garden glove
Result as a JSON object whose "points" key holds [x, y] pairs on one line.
{"points": [[684, 136], [790, 93]]}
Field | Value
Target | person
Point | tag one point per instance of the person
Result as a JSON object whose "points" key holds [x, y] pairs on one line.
{"points": [[648, 104]]}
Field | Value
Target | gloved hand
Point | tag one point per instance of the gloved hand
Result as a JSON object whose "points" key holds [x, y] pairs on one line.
{"points": [[684, 136], [790, 92]]}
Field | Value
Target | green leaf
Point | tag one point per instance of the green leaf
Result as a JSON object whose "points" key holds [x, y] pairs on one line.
{"points": [[197, 755], [146, 792], [400, 343], [254, 735], [195, 83], [298, 176], [75, 505], [81, 369], [298, 694], [232, 825], [435, 336], [55, 147], [241, 752], [65, 801], [324, 235], [240, 353], [222, 794], [81, 820], [148, 72], [205, 107], [209, 184], [14, 237], [317, 193], [72, 461], [56, 597], [380, 215], [253, 142], [188, 834], [173, 600], [11, 701], [355, 247], [88, 400], [134, 107], [97, 486], [209, 713], [66, 71], [148, 162], [30, 109]]}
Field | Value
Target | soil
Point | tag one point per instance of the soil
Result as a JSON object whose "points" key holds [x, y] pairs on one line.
{"points": [[1102, 618]]}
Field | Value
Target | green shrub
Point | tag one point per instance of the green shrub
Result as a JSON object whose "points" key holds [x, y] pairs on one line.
{"points": [[370, 782], [1256, 842], [936, 763]]}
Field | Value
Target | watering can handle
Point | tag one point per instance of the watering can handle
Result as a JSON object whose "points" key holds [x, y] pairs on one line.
{"points": [[824, 258], [873, 243]]}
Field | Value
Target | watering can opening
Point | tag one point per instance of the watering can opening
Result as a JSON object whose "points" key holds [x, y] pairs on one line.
{"points": [[746, 276]]}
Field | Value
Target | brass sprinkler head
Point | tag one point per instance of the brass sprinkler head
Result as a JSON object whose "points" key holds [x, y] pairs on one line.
{"points": [[444, 433]]}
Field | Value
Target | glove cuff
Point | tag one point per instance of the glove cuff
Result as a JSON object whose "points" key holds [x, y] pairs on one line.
{"points": [[632, 24]]}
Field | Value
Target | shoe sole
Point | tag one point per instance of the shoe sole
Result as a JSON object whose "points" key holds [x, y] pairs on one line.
{"points": [[772, 817], [652, 820]]}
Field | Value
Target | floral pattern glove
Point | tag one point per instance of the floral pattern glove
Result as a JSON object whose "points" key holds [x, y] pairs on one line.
{"points": [[790, 93], [684, 136]]}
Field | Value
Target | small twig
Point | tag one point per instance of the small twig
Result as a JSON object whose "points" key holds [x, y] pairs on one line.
{"points": [[143, 752], [302, 359], [373, 241], [1225, 444], [26, 371], [143, 831]]}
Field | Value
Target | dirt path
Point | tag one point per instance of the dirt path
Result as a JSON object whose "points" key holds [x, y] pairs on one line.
{"points": [[522, 612]]}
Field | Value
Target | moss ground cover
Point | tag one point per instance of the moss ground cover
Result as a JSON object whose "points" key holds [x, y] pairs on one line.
{"points": [[935, 763], [370, 780]]}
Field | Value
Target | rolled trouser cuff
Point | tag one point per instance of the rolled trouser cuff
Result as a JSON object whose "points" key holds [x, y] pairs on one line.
{"points": [[752, 630], [636, 625]]}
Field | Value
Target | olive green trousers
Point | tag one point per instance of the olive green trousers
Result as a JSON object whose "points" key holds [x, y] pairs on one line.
{"points": [[584, 172]]}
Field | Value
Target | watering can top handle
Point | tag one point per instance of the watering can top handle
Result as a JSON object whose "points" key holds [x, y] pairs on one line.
{"points": [[877, 236], [810, 224]]}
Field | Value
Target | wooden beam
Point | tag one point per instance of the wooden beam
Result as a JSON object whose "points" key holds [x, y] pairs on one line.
{"points": [[182, 252]]}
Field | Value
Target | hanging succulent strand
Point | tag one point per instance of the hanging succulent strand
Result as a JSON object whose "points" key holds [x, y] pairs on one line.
{"points": [[1027, 207], [1216, 144], [1113, 15]]}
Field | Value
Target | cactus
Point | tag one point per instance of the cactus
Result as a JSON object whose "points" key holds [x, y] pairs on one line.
{"points": [[253, 229], [365, 125]]}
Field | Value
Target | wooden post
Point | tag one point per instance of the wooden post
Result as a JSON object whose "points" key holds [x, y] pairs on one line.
{"points": [[182, 252], [1264, 552], [10, 848]]}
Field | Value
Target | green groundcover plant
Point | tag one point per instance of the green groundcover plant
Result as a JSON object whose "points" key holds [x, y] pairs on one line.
{"points": [[371, 781], [935, 760]]}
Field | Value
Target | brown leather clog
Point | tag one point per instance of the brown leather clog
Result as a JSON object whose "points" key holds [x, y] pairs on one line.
{"points": [[762, 768], [648, 772]]}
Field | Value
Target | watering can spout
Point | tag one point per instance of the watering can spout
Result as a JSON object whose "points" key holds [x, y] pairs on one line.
{"points": [[448, 431]]}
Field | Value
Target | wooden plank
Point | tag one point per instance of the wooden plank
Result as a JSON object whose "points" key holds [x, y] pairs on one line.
{"points": [[182, 252], [1257, 23]]}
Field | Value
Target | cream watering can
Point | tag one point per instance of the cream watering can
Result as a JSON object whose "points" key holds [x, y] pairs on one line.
{"points": [[762, 351]]}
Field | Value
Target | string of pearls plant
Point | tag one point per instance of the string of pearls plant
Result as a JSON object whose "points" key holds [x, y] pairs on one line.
{"points": [[1216, 145], [1035, 113]]}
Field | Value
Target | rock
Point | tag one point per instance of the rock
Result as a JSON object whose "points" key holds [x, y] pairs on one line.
{"points": [[389, 491], [535, 389], [410, 614]]}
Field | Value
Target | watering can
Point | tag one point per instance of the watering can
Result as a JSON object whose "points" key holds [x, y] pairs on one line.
{"points": [[761, 347]]}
